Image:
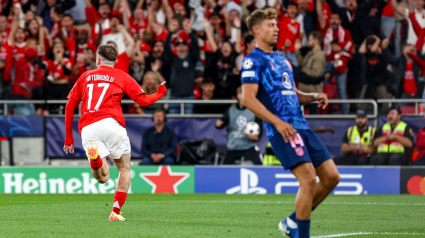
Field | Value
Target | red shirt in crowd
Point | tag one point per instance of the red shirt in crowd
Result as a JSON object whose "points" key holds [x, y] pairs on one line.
{"points": [[76, 52], [327, 12], [73, 34], [92, 15], [6, 56], [420, 144], [18, 53], [340, 58], [162, 36], [27, 77], [409, 83], [289, 30], [5, 35], [139, 27], [101, 91], [123, 62], [56, 69]]}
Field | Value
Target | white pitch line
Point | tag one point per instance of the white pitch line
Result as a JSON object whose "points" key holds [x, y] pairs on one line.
{"points": [[367, 233], [281, 202]]}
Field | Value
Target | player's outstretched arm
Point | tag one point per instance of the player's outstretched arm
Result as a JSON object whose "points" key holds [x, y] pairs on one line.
{"points": [[250, 101], [306, 98], [146, 100], [69, 117]]}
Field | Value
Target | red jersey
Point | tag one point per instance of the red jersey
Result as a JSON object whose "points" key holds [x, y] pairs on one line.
{"points": [[18, 53], [123, 62], [139, 27], [5, 35], [340, 58], [27, 77], [327, 12], [76, 54], [6, 56], [101, 91], [288, 30], [162, 36], [92, 15], [310, 4], [56, 69]]}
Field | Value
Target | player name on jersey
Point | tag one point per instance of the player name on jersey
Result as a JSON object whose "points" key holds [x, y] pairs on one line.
{"points": [[96, 77]]}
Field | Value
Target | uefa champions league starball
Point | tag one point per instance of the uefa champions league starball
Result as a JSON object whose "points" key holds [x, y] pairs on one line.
{"points": [[252, 128]]}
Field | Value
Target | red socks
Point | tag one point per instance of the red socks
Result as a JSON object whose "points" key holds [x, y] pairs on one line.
{"points": [[97, 163], [119, 200]]}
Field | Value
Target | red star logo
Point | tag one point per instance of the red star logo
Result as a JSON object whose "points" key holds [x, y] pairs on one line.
{"points": [[164, 180]]}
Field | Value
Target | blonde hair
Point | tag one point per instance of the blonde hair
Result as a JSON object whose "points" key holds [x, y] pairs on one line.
{"points": [[258, 16], [155, 85]]}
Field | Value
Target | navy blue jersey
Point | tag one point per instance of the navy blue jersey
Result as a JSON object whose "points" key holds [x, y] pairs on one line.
{"points": [[274, 75]]}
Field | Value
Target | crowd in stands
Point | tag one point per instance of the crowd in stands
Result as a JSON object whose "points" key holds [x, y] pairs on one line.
{"points": [[347, 49]]}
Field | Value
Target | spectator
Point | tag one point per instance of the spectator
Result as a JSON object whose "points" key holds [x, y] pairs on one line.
{"points": [[182, 67], [99, 19], [28, 76], [306, 18], [338, 46], [210, 92], [77, 51], [249, 43], [138, 63], [66, 24], [414, 11], [151, 81], [420, 146], [354, 18], [159, 142], [289, 32], [226, 74], [400, 9], [85, 63], [58, 71], [157, 53], [357, 143], [418, 29], [394, 140], [312, 67], [5, 66], [240, 146], [377, 78], [323, 13], [4, 28], [118, 38], [407, 74], [44, 8]]}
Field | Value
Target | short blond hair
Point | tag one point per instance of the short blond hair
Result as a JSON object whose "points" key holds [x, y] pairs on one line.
{"points": [[258, 16]]}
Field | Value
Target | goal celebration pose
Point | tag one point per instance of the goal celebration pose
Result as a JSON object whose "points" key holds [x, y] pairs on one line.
{"points": [[269, 91], [102, 125]]}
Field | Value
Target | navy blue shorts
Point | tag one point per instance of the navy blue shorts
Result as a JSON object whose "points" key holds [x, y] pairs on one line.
{"points": [[307, 147]]}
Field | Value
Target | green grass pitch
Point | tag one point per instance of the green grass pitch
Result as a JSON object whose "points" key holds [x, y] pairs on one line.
{"points": [[198, 215]]}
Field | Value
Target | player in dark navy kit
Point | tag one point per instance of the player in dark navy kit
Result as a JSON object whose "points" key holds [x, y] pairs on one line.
{"points": [[269, 91]]}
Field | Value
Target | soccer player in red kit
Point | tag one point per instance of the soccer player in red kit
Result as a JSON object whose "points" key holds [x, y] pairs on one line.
{"points": [[102, 125]]}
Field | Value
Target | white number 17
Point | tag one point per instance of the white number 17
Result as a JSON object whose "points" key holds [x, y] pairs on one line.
{"points": [[90, 86]]}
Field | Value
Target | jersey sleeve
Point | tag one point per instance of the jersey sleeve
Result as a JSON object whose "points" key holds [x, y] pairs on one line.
{"points": [[131, 88], [250, 70], [76, 92]]}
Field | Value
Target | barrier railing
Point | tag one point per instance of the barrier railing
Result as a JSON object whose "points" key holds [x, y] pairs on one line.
{"points": [[183, 102], [419, 109]]}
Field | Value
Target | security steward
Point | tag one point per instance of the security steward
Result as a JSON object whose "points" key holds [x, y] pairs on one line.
{"points": [[394, 141], [357, 143]]}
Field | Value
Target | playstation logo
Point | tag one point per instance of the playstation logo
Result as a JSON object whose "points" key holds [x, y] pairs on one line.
{"points": [[248, 184]]}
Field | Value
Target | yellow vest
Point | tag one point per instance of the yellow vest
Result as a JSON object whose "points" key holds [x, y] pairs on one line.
{"points": [[393, 146], [365, 139], [270, 158]]}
